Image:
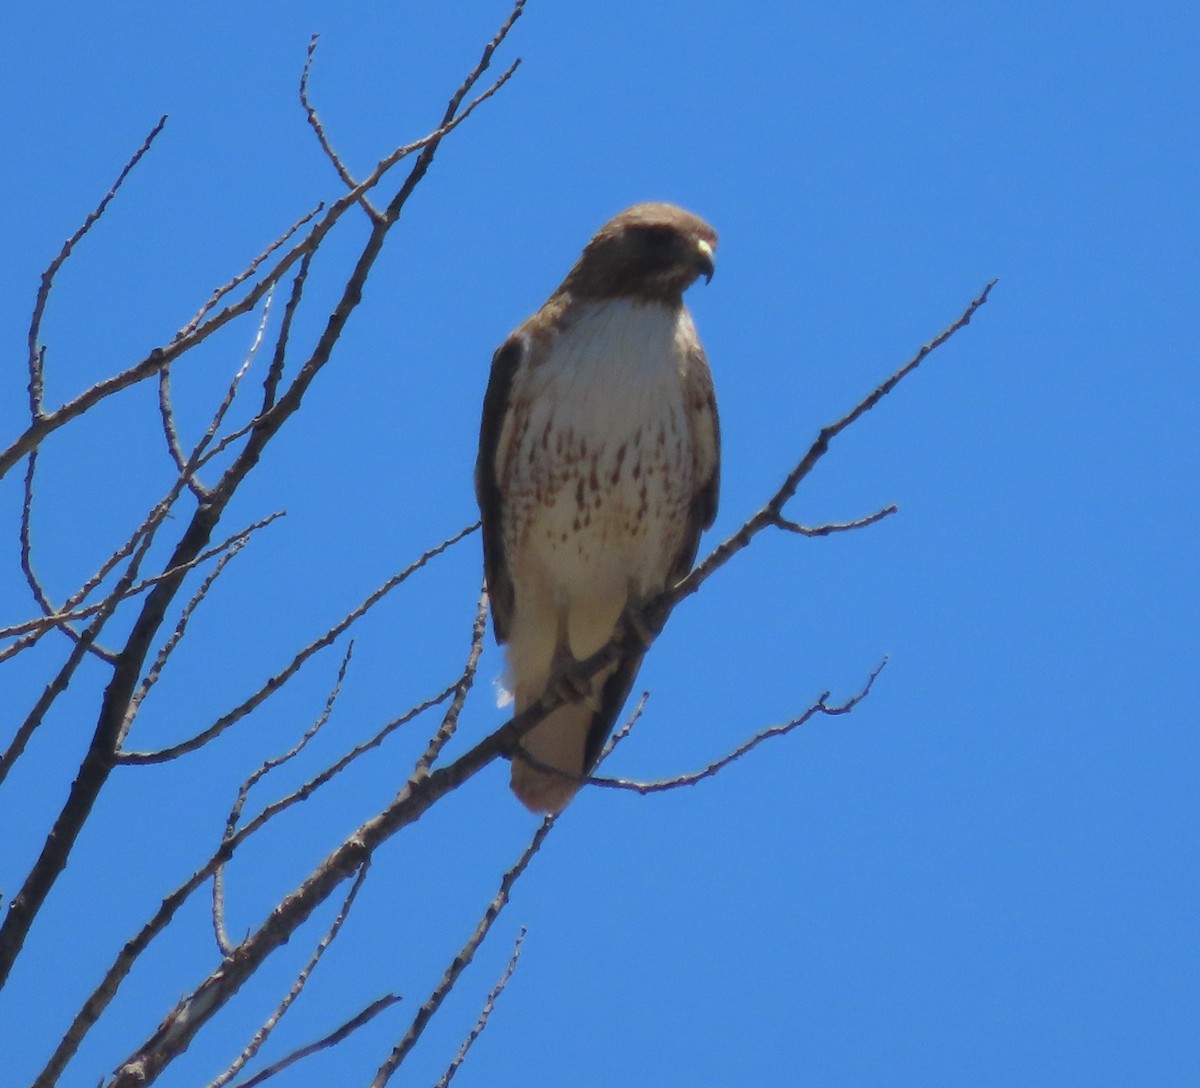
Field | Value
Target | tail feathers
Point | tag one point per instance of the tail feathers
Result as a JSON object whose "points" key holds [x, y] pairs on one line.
{"points": [[570, 739], [558, 741]]}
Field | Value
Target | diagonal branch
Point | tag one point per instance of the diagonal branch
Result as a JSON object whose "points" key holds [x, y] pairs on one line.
{"points": [[297, 987], [463, 959], [332, 1039], [275, 682], [106, 990], [47, 622], [485, 1014], [187, 466], [249, 271], [194, 333], [36, 357], [314, 122], [770, 513]]}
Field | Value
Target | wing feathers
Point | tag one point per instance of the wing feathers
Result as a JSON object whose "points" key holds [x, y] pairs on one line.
{"points": [[487, 474]]}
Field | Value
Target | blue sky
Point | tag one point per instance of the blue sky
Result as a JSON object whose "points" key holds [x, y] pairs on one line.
{"points": [[986, 875]]}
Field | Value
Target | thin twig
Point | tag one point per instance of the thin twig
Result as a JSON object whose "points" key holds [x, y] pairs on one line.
{"points": [[279, 356], [275, 370], [166, 414], [450, 719], [451, 118], [314, 122], [187, 466], [168, 647], [297, 987], [36, 355], [837, 526], [26, 538], [247, 272], [332, 1039], [463, 959], [484, 1014], [625, 729], [277, 681], [235, 812], [51, 621], [821, 706]]}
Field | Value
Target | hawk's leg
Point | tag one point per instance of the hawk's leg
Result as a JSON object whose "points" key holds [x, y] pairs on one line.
{"points": [[567, 679], [635, 619]]}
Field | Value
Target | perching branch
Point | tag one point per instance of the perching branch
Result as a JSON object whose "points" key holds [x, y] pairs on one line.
{"points": [[425, 788]]}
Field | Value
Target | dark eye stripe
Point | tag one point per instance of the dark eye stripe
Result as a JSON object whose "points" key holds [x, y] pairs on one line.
{"points": [[657, 236]]}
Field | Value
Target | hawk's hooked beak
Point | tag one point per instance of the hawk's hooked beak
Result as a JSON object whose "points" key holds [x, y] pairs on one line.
{"points": [[704, 260]]}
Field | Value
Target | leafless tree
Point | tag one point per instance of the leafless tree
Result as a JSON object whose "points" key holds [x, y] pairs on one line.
{"points": [[132, 618]]}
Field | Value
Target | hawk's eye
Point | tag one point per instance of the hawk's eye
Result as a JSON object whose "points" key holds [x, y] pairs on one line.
{"points": [[657, 239]]}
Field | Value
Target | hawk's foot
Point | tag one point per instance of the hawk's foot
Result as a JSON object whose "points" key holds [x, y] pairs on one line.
{"points": [[567, 679], [635, 619]]}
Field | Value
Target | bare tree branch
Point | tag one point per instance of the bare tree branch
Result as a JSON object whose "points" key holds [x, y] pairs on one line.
{"points": [[450, 719], [770, 513], [837, 526], [184, 465], [274, 683], [249, 271], [460, 962], [36, 351], [332, 1039], [297, 987], [47, 622], [25, 533], [821, 706], [36, 715], [103, 994], [101, 756], [231, 822], [484, 1014], [314, 122], [194, 334], [168, 647]]}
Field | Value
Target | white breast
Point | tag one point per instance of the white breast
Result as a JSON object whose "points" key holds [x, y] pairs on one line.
{"points": [[601, 473]]}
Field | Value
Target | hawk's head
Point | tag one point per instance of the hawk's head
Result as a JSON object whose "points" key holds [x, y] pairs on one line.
{"points": [[652, 251]]}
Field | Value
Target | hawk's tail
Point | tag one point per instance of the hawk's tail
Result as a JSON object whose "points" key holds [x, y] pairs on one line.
{"points": [[570, 739]]}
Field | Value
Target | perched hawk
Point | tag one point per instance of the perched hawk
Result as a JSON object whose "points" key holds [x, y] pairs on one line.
{"points": [[597, 472]]}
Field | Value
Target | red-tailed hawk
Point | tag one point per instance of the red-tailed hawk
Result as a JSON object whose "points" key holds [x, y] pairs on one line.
{"points": [[597, 472]]}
